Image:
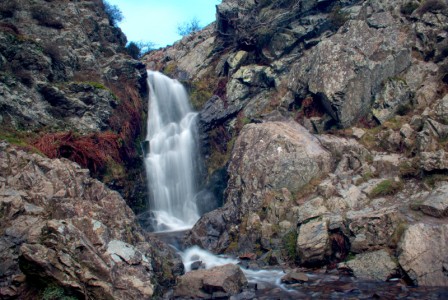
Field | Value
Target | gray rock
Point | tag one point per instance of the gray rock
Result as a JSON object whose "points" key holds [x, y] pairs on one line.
{"points": [[294, 277], [312, 209], [57, 220], [423, 255], [272, 155], [227, 279], [377, 265], [394, 94], [330, 70], [372, 230], [436, 203], [441, 110], [431, 161], [313, 243]]}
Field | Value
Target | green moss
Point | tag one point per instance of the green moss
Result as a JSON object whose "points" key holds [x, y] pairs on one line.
{"points": [[432, 179], [289, 244], [398, 233], [96, 85], [55, 292], [409, 168], [386, 188], [219, 159]]}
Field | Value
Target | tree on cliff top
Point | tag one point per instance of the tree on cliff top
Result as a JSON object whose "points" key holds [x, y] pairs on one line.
{"points": [[188, 27]]}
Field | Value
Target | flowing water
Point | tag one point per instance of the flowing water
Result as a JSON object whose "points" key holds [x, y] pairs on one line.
{"points": [[172, 161]]}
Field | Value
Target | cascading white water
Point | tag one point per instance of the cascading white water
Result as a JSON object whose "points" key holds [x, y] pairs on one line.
{"points": [[171, 163]]}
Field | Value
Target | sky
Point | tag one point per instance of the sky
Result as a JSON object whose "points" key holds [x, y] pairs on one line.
{"points": [[156, 21]]}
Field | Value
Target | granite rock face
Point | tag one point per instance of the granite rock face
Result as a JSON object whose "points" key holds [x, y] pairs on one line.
{"points": [[423, 255], [69, 230]]}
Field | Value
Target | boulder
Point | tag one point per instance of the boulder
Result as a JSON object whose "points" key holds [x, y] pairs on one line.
{"points": [[269, 160], [436, 203], [202, 284], [272, 156], [377, 265], [294, 277], [372, 230], [331, 70], [423, 255], [313, 243]]}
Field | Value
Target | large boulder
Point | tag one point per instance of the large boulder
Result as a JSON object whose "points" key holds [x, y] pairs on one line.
{"points": [[313, 243], [62, 228], [332, 70], [423, 255], [272, 156], [269, 160], [377, 265], [223, 280]]}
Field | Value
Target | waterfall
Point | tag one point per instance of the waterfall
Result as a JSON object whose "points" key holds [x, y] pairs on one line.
{"points": [[172, 161]]}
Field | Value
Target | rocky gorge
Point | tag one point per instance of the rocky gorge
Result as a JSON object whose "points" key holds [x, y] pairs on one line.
{"points": [[323, 126]]}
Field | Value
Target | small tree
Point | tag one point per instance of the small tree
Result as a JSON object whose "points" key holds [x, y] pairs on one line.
{"points": [[137, 49], [188, 27], [113, 13]]}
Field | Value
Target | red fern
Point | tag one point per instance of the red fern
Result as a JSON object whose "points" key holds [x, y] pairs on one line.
{"points": [[91, 151]]}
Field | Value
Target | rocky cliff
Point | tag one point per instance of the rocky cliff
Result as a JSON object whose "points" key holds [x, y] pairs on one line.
{"points": [[64, 69], [329, 119], [69, 90]]}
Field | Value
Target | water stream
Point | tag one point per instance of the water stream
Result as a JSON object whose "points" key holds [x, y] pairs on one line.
{"points": [[172, 161]]}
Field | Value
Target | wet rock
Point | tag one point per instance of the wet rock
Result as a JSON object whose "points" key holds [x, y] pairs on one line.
{"points": [[436, 203], [313, 243], [202, 284], [295, 277], [377, 265], [423, 256], [196, 265]]}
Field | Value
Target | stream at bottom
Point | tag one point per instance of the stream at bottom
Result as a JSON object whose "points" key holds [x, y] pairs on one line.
{"points": [[266, 282]]}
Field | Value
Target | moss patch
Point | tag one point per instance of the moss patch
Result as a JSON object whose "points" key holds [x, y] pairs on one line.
{"points": [[386, 188]]}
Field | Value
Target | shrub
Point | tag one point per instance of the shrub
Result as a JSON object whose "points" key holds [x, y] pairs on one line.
{"points": [[137, 49], [188, 27], [289, 244], [46, 17], [113, 13], [386, 188]]}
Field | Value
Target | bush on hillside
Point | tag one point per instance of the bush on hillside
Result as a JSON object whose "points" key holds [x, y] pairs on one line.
{"points": [[189, 27], [113, 13]]}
